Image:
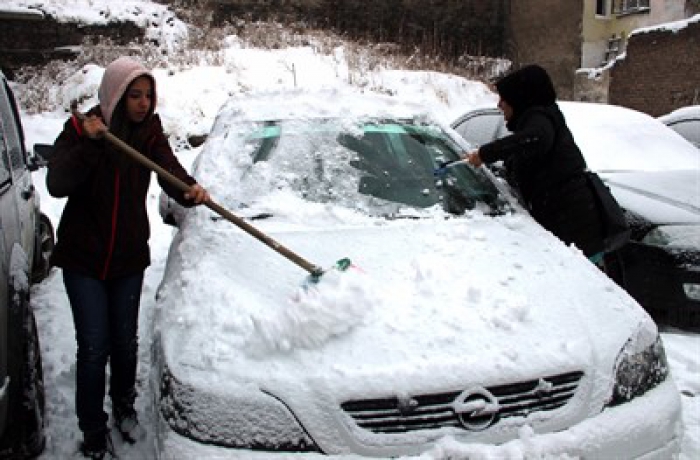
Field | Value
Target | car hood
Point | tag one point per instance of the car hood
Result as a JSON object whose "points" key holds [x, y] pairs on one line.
{"points": [[428, 302], [661, 197]]}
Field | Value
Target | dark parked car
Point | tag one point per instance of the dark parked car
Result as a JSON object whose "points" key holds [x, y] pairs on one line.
{"points": [[26, 241], [686, 122], [655, 176]]}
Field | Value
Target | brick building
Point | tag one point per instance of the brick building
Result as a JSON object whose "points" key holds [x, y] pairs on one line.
{"points": [[607, 51], [661, 71]]}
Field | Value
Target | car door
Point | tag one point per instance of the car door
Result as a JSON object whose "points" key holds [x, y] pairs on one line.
{"points": [[9, 235], [25, 194]]}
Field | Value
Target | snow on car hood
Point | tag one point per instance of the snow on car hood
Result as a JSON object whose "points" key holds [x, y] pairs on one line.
{"points": [[662, 197], [427, 297]]}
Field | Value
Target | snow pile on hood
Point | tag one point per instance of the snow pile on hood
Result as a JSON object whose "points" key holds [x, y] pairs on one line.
{"points": [[323, 309]]}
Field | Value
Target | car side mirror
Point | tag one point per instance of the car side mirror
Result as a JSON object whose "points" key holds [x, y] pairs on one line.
{"points": [[41, 155]]}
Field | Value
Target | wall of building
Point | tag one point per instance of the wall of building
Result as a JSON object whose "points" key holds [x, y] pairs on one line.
{"points": [[661, 70], [548, 34], [36, 40], [597, 30], [592, 85]]}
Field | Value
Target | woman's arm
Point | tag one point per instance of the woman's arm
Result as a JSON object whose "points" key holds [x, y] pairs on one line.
{"points": [[163, 155], [533, 140], [73, 160]]}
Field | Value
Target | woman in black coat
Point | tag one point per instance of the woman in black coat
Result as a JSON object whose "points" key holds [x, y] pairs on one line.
{"points": [[543, 162]]}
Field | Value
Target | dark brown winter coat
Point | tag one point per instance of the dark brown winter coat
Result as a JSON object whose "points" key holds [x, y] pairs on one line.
{"points": [[104, 229]]}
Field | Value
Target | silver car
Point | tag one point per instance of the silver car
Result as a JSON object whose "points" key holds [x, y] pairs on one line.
{"points": [[686, 122], [26, 241]]}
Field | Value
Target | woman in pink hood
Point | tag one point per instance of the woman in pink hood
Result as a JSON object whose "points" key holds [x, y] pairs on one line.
{"points": [[102, 245]]}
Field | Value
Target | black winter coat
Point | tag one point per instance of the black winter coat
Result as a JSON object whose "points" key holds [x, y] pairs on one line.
{"points": [[545, 165], [104, 227]]}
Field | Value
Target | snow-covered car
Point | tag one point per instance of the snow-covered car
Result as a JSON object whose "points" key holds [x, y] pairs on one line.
{"points": [[655, 176], [460, 321], [686, 122]]}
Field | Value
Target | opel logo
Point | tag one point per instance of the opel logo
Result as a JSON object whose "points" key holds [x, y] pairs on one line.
{"points": [[476, 409]]}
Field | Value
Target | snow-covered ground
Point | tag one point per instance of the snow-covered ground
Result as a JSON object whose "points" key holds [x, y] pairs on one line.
{"points": [[188, 103]]}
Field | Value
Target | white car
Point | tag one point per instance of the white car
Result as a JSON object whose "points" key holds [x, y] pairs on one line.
{"points": [[461, 321], [686, 122]]}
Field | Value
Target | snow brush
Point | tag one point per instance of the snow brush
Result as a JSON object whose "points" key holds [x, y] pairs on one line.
{"points": [[445, 165], [315, 271]]}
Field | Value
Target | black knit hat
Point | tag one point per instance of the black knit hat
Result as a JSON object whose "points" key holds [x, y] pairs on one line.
{"points": [[527, 87]]}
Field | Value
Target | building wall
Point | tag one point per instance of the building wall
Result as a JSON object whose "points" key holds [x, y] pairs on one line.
{"points": [[34, 41], [549, 34], [598, 29], [661, 70]]}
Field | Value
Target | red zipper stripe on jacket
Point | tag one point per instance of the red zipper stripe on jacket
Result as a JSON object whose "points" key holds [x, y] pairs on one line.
{"points": [[113, 236], [77, 125]]}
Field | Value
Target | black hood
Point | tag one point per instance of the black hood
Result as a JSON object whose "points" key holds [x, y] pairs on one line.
{"points": [[527, 87]]}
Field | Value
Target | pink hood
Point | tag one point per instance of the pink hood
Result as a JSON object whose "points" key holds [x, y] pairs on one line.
{"points": [[117, 77]]}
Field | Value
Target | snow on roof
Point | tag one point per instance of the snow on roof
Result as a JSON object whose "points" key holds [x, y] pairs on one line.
{"points": [[157, 20], [673, 26]]}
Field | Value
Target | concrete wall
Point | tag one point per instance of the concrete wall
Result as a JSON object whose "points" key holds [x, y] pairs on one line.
{"points": [[549, 34], [598, 29], [36, 40], [661, 71]]}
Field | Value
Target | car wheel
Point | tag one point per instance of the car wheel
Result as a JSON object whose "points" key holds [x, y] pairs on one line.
{"points": [[24, 435], [45, 242]]}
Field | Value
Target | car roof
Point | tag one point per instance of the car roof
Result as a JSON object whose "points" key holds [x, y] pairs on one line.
{"points": [[691, 112], [316, 104], [615, 138]]}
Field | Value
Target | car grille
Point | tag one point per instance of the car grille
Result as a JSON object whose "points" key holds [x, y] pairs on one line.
{"points": [[434, 411]]}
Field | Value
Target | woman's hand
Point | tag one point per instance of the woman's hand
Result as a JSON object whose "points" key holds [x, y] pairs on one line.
{"points": [[198, 194], [473, 158], [94, 127]]}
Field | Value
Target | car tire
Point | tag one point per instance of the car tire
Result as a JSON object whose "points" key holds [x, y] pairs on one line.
{"points": [[24, 436], [45, 242]]}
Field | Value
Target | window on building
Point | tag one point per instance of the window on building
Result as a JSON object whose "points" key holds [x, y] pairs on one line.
{"points": [[601, 7], [630, 6]]}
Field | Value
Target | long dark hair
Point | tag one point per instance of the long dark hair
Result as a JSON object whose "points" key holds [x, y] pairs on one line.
{"points": [[134, 134]]}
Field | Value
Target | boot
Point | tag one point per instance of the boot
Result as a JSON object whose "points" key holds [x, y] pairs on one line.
{"points": [[127, 423], [97, 445]]}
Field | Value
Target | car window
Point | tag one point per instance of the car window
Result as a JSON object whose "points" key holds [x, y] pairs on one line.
{"points": [[368, 166], [4, 160], [482, 127], [11, 136], [4, 155], [690, 129]]}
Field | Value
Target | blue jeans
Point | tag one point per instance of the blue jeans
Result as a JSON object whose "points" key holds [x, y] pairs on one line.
{"points": [[106, 316]]}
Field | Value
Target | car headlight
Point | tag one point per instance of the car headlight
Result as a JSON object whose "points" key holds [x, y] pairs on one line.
{"points": [[251, 419], [640, 366], [674, 235], [692, 290], [682, 243]]}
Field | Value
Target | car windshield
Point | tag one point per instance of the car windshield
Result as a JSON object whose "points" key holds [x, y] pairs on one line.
{"points": [[379, 167]]}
